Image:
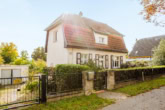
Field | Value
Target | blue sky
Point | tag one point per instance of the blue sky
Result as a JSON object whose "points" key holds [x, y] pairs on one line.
{"points": [[23, 21]]}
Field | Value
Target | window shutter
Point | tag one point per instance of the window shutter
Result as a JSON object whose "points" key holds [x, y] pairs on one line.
{"points": [[121, 60], [78, 58], [112, 61], [106, 61]]}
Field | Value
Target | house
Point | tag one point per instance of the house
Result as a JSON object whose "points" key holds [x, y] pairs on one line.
{"points": [[74, 39], [9, 73], [143, 48]]}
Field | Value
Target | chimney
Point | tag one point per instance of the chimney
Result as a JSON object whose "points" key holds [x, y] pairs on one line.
{"points": [[80, 14], [136, 39]]}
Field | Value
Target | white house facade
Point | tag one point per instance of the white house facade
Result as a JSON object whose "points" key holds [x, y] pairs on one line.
{"points": [[71, 41]]}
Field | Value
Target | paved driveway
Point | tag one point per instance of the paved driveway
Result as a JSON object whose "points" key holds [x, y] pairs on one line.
{"points": [[153, 100]]}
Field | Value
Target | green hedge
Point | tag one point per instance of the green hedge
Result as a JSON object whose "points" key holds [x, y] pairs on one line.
{"points": [[139, 68], [70, 68], [66, 69]]}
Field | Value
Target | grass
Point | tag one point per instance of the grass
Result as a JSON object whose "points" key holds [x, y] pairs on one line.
{"points": [[91, 102], [142, 87]]}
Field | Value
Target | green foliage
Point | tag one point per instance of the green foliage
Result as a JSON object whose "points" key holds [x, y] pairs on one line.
{"points": [[37, 66], [24, 54], [70, 68], [20, 61], [39, 53], [49, 70], [159, 54], [1, 60], [132, 64], [142, 87], [93, 66], [139, 68], [9, 52], [92, 102], [32, 86]]}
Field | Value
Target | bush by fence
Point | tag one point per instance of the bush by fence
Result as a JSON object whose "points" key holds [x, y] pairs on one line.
{"points": [[65, 77], [123, 75], [65, 69]]}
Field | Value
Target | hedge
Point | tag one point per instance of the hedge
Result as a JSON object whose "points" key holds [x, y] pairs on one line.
{"points": [[139, 68], [122, 75], [66, 69]]}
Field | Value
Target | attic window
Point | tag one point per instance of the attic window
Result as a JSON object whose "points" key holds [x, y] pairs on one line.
{"points": [[101, 39]]}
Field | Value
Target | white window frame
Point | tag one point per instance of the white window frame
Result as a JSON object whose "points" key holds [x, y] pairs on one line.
{"points": [[101, 39], [116, 62]]}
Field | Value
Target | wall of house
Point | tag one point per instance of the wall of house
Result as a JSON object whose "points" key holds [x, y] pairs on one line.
{"points": [[73, 52], [56, 53]]}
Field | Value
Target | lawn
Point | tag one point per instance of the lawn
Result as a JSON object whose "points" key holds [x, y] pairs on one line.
{"points": [[142, 87], [91, 102]]}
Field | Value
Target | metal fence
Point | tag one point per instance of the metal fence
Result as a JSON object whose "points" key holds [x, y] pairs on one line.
{"points": [[19, 90], [137, 74], [64, 84]]}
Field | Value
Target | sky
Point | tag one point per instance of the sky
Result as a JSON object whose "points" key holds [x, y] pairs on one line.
{"points": [[23, 21]]}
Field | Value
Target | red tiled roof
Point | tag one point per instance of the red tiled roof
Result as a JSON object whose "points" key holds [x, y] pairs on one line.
{"points": [[79, 33], [80, 37]]}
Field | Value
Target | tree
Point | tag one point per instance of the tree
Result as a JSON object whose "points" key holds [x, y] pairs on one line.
{"points": [[24, 55], [154, 11], [9, 52], [39, 53], [159, 54], [1, 60]]}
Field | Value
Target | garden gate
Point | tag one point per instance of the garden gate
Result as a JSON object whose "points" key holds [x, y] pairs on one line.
{"points": [[100, 80], [20, 92]]}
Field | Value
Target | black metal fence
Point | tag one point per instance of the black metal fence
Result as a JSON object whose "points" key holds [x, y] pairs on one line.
{"points": [[64, 84], [137, 74], [100, 80], [19, 90]]}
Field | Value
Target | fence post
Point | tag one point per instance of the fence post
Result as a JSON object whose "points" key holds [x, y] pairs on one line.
{"points": [[88, 82], [43, 89], [110, 80]]}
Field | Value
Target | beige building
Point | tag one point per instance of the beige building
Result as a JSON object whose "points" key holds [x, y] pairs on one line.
{"points": [[74, 39]]}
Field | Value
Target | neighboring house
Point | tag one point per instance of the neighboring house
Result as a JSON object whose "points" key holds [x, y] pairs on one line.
{"points": [[8, 73], [74, 39], [143, 48]]}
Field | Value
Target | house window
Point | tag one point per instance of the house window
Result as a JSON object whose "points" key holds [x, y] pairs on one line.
{"points": [[101, 60], [101, 40], [115, 62], [106, 61], [78, 58], [90, 56], [97, 59], [55, 36], [84, 58]]}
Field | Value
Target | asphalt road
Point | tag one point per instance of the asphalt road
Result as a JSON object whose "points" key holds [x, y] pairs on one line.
{"points": [[153, 100]]}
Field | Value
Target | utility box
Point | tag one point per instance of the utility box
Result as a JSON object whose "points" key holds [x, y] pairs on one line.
{"points": [[90, 76]]}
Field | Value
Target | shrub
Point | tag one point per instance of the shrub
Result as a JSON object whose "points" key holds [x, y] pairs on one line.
{"points": [[70, 68], [93, 66], [135, 64], [49, 70], [1, 60], [32, 86], [159, 54], [37, 66]]}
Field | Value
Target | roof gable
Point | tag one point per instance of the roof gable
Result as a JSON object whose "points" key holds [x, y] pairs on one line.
{"points": [[144, 47]]}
